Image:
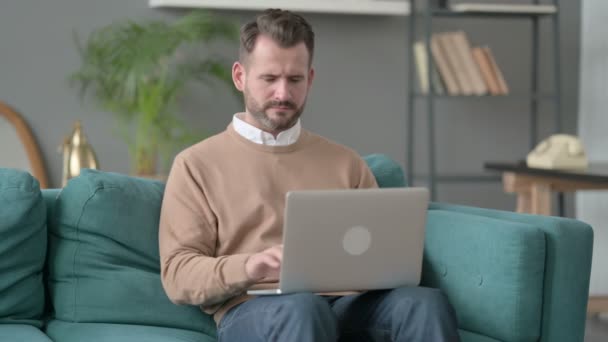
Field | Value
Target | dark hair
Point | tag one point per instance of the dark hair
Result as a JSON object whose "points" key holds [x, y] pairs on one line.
{"points": [[284, 27]]}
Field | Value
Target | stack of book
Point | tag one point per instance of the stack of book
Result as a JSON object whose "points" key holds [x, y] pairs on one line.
{"points": [[459, 68]]}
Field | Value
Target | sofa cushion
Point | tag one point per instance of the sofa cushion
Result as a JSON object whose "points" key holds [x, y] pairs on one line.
{"points": [[61, 331], [22, 333], [388, 173], [104, 261], [23, 240], [491, 270]]}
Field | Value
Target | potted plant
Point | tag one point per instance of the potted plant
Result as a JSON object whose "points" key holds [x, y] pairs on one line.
{"points": [[138, 70]]}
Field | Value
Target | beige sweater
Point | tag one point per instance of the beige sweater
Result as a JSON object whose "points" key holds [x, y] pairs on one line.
{"points": [[224, 201]]}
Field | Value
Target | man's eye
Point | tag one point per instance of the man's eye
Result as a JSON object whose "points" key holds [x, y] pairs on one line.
{"points": [[269, 79], [295, 79]]}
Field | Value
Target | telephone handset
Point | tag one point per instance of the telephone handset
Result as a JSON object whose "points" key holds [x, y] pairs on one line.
{"points": [[559, 151]]}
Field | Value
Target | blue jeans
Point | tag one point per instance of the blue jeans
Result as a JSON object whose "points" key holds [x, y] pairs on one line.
{"points": [[402, 314]]}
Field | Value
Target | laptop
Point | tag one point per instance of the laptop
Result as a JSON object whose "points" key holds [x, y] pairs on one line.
{"points": [[351, 240]]}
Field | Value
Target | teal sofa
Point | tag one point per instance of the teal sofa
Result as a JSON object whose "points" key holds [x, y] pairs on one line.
{"points": [[81, 264]]}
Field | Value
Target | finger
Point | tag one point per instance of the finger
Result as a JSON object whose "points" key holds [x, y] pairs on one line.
{"points": [[277, 252], [278, 255], [270, 261], [271, 278], [273, 273]]}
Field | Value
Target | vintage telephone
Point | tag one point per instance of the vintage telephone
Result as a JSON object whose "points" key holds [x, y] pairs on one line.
{"points": [[559, 151]]}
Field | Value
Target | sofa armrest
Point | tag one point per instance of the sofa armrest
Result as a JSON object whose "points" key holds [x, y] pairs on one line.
{"points": [[567, 270]]}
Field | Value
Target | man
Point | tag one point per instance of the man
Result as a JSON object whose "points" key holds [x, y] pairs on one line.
{"points": [[222, 213]]}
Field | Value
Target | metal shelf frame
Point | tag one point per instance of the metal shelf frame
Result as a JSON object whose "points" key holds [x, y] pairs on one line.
{"points": [[428, 15]]}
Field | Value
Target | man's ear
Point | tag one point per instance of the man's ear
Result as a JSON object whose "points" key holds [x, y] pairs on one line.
{"points": [[311, 76], [238, 75]]}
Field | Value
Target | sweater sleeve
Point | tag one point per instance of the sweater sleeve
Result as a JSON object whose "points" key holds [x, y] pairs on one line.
{"points": [[190, 272]]}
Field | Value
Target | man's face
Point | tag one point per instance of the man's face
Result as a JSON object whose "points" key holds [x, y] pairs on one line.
{"points": [[275, 82]]}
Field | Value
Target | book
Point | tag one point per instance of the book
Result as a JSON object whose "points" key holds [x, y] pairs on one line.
{"points": [[421, 67], [457, 64], [445, 71], [504, 8], [437, 83], [422, 70], [463, 48], [504, 89], [486, 71]]}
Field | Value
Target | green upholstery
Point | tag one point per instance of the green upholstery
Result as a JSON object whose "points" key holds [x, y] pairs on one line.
{"points": [[104, 332], [22, 333], [569, 246], [23, 239], [491, 270], [388, 173], [510, 277], [103, 255], [567, 265], [467, 336]]}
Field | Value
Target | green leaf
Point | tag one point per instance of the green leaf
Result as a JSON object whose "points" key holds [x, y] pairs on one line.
{"points": [[137, 70]]}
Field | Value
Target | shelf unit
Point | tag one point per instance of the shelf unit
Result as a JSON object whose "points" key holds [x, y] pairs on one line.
{"points": [[429, 12], [369, 7]]}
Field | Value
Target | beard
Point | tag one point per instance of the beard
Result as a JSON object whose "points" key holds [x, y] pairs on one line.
{"points": [[283, 120]]}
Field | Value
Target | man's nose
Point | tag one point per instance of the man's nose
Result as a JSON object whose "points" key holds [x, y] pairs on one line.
{"points": [[281, 92]]}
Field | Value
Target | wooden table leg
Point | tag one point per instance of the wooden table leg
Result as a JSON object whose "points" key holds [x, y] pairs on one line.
{"points": [[534, 197], [524, 202], [540, 199], [515, 183], [597, 305]]}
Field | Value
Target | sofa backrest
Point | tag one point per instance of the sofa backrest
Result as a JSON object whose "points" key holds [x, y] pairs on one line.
{"points": [[387, 172], [103, 259], [103, 255], [23, 241], [104, 264]]}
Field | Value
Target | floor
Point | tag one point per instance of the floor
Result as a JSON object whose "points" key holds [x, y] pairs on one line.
{"points": [[596, 329]]}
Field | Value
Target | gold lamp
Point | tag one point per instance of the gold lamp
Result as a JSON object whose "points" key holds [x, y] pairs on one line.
{"points": [[77, 154]]}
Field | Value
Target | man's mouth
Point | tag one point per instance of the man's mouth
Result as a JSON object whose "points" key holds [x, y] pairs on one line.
{"points": [[282, 105]]}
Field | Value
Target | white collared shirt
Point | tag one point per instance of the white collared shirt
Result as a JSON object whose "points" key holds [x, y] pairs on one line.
{"points": [[258, 136]]}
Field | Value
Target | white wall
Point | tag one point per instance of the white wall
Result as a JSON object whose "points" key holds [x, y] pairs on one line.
{"points": [[592, 206], [11, 149]]}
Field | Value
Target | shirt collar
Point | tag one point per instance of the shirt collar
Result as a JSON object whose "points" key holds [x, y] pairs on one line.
{"points": [[258, 136]]}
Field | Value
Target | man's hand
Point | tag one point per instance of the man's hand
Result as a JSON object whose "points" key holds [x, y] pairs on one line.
{"points": [[265, 265]]}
